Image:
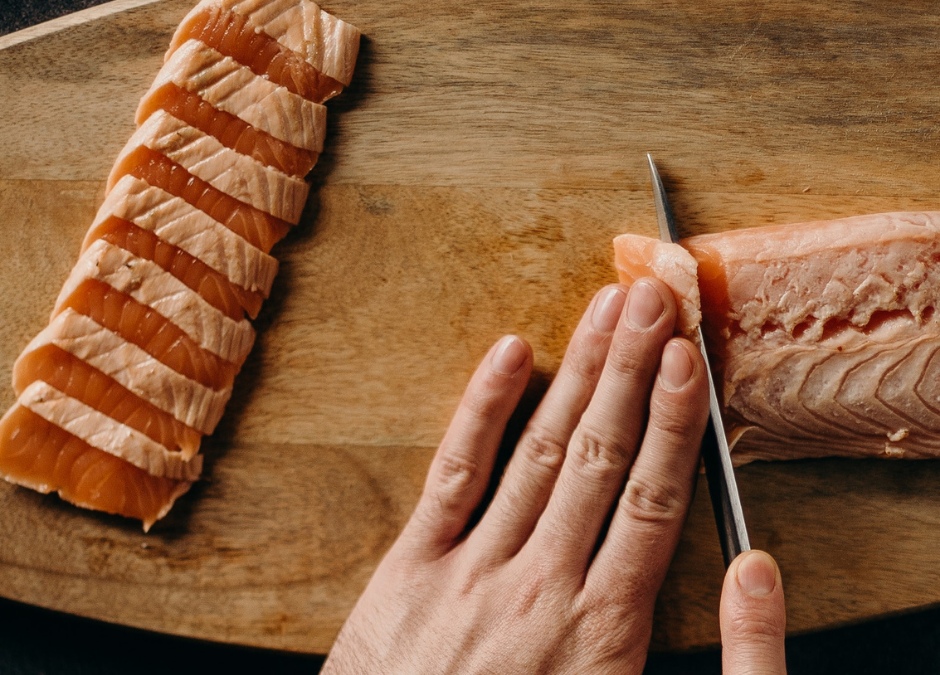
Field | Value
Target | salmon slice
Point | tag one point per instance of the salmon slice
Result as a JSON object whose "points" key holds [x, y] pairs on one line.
{"points": [[229, 130], [107, 434], [233, 35], [231, 300], [325, 42], [78, 380], [177, 222], [258, 228], [227, 85], [44, 457], [638, 257], [150, 285], [243, 178], [152, 332], [190, 402], [826, 334]]}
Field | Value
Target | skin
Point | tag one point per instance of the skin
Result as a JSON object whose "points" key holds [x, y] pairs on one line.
{"points": [[561, 572]]}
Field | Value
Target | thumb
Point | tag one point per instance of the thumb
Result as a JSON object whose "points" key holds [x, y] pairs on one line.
{"points": [[753, 620]]}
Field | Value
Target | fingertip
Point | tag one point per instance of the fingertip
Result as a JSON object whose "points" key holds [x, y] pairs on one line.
{"points": [[509, 355], [677, 366], [608, 306], [756, 573]]}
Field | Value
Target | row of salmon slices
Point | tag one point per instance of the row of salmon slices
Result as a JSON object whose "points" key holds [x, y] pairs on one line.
{"points": [[152, 325]]}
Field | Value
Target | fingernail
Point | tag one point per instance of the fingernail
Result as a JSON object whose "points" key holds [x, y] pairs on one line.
{"points": [[757, 574], [676, 368], [607, 310], [509, 356], [644, 306]]}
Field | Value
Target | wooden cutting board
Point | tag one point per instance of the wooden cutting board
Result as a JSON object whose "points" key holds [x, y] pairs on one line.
{"points": [[474, 176]]}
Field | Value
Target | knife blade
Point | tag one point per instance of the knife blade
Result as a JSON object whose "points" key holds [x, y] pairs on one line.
{"points": [[716, 455]]}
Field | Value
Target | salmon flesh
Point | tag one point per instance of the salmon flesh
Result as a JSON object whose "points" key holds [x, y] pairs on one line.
{"points": [[153, 324], [825, 335]]}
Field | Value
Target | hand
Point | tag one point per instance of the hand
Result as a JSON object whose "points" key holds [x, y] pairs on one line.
{"points": [[561, 572]]}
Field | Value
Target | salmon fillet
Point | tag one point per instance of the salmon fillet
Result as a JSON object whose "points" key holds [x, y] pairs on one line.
{"points": [[243, 178], [177, 222], [151, 285], [825, 334], [40, 455], [149, 330], [227, 85], [77, 379]]}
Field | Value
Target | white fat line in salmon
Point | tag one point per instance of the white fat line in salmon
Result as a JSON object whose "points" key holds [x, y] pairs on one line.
{"points": [[193, 404], [237, 175], [151, 285], [107, 434], [328, 44], [189, 229], [227, 85]]}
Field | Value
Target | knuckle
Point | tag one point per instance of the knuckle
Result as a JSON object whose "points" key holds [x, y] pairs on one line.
{"points": [[455, 474], [634, 358], [672, 421], [483, 401], [585, 364], [543, 450], [653, 501], [759, 627], [597, 454]]}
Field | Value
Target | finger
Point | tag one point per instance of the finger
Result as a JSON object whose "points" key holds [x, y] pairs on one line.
{"points": [[537, 459], [605, 441], [753, 618], [461, 468], [654, 503]]}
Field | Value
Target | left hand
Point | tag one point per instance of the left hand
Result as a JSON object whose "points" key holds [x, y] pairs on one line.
{"points": [[561, 573]]}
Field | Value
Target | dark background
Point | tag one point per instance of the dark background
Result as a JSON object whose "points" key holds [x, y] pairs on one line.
{"points": [[40, 642]]}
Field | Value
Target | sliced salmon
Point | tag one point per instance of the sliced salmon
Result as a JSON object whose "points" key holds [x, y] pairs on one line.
{"points": [[243, 178], [80, 381], [826, 334], [140, 325], [107, 434], [150, 285], [190, 402], [258, 228], [227, 85], [40, 455], [228, 129], [177, 222], [328, 44], [233, 35], [221, 293]]}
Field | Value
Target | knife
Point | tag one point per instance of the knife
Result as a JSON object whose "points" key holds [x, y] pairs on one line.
{"points": [[719, 472]]}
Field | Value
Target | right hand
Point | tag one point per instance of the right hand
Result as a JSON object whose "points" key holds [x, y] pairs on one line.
{"points": [[753, 620]]}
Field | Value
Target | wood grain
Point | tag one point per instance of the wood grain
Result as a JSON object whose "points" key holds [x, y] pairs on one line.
{"points": [[474, 176]]}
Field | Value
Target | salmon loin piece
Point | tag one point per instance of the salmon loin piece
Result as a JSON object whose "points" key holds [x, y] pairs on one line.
{"points": [[228, 129], [232, 34], [104, 433], [78, 380], [151, 327], [150, 285], [179, 223], [826, 334], [42, 456], [227, 85], [243, 178], [325, 42], [638, 257], [190, 402]]}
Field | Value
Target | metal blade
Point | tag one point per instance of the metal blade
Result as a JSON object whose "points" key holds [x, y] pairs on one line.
{"points": [[722, 486]]}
